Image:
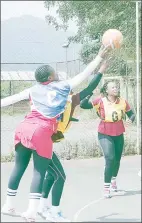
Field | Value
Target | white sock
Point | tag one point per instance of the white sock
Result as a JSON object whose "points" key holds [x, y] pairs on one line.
{"points": [[33, 207], [113, 179], [43, 202], [107, 186], [55, 209], [11, 198], [33, 204]]}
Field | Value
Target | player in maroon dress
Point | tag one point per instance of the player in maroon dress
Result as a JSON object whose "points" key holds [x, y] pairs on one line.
{"points": [[111, 109]]}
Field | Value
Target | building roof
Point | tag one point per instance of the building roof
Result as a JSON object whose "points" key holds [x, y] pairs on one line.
{"points": [[17, 76]]}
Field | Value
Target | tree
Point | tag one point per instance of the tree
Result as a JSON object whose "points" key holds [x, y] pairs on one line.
{"points": [[93, 18]]}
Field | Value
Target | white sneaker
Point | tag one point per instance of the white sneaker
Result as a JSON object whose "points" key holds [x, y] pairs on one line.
{"points": [[113, 186], [58, 217], [9, 211], [42, 211], [27, 217], [107, 193]]}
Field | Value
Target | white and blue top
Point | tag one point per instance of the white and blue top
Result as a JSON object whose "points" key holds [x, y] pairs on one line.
{"points": [[50, 100]]}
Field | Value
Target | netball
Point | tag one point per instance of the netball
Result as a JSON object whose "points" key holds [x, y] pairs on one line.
{"points": [[113, 36]]}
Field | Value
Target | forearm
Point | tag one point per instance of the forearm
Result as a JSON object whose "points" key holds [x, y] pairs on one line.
{"points": [[15, 98], [78, 79], [86, 104], [91, 87], [131, 115]]}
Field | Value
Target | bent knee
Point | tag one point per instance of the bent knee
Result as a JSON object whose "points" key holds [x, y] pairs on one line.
{"points": [[49, 177]]}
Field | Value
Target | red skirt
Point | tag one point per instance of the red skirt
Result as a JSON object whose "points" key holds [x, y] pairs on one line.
{"points": [[35, 133]]}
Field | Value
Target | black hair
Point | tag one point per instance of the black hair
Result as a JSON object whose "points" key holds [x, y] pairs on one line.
{"points": [[102, 91], [43, 72]]}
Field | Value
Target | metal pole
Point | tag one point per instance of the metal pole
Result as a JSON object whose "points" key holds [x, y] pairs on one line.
{"points": [[56, 66], [138, 78], [126, 81], [10, 90]]}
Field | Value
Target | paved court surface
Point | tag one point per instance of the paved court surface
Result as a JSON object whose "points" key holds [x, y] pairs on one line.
{"points": [[83, 187]]}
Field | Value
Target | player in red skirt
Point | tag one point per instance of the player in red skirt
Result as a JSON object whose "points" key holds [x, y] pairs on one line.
{"points": [[111, 109], [33, 135], [55, 176]]}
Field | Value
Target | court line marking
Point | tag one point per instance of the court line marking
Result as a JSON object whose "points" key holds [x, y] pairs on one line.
{"points": [[95, 202]]}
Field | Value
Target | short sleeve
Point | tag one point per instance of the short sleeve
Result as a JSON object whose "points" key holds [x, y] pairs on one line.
{"points": [[96, 101]]}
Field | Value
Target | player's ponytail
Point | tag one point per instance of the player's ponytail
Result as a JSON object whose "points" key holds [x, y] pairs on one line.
{"points": [[104, 88]]}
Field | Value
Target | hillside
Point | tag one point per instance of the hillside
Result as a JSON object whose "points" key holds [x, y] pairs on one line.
{"points": [[29, 39]]}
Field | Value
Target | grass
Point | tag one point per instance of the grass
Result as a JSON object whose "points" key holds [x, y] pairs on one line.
{"points": [[13, 111], [74, 155], [81, 141], [7, 158]]}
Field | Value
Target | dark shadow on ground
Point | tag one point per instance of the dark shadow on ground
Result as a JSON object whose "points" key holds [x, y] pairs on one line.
{"points": [[127, 193]]}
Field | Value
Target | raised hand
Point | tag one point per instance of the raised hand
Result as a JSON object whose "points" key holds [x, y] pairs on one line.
{"points": [[105, 50]]}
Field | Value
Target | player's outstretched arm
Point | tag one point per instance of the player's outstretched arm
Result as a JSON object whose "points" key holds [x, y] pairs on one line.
{"points": [[94, 82], [15, 98], [78, 79], [86, 104]]}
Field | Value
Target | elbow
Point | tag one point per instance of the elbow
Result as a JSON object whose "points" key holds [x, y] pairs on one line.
{"points": [[82, 106], [133, 118], [131, 115]]}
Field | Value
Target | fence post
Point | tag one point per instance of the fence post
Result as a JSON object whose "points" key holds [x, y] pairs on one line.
{"points": [[126, 82], [10, 88], [12, 94], [56, 66], [79, 65]]}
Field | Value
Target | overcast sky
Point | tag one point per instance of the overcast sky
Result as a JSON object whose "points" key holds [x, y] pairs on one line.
{"points": [[11, 9]]}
